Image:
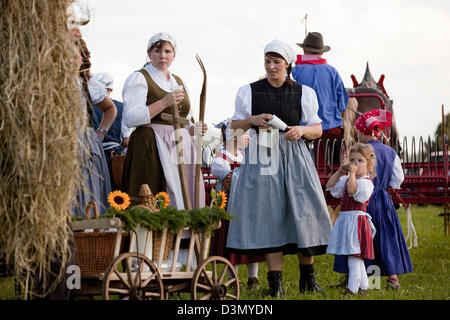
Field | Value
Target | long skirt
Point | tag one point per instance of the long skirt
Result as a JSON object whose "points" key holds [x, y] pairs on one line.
{"points": [[279, 202], [96, 183], [219, 236], [391, 252], [152, 159]]}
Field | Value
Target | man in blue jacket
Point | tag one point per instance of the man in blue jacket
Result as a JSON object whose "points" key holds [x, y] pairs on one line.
{"points": [[313, 71]]}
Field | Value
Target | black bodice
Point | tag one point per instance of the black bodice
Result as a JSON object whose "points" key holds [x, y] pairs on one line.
{"points": [[284, 102]]}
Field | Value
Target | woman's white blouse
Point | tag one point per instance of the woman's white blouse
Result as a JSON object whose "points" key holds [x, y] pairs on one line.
{"points": [[97, 91], [397, 174], [364, 188], [134, 94], [310, 106], [221, 167]]}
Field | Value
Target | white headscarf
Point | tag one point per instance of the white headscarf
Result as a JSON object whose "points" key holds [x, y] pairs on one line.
{"points": [[104, 78], [282, 49], [162, 36]]}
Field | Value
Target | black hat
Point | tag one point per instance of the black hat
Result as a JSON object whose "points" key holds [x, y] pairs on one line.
{"points": [[314, 43]]}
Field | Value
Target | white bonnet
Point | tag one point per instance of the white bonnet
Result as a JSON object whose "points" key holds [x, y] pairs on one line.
{"points": [[282, 49], [105, 79], [162, 36]]}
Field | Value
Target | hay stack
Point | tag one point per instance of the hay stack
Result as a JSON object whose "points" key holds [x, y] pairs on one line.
{"points": [[40, 122]]}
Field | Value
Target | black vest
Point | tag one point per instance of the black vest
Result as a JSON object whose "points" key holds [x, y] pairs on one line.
{"points": [[284, 102]]}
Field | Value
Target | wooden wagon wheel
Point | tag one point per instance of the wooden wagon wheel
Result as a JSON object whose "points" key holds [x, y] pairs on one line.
{"points": [[131, 284], [217, 286]]}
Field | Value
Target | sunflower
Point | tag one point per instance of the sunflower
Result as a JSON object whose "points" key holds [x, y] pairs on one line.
{"points": [[223, 199], [162, 199], [119, 200]]}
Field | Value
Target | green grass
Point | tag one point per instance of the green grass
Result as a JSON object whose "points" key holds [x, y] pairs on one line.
{"points": [[428, 281]]}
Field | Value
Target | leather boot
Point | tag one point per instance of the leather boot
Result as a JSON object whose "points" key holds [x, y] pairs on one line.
{"points": [[275, 284], [307, 280]]}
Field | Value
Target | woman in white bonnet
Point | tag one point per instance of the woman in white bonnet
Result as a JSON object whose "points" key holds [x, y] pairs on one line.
{"points": [[151, 156], [280, 211]]}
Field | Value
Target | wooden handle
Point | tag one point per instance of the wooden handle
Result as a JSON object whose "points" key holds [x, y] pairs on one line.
{"points": [[88, 207]]}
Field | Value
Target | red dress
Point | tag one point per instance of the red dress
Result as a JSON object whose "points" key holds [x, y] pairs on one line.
{"points": [[364, 229]]}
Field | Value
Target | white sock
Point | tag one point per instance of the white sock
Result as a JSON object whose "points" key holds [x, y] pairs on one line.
{"points": [[354, 273], [364, 285], [252, 270], [236, 268]]}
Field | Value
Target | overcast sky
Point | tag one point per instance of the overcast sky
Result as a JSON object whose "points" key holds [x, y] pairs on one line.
{"points": [[406, 40]]}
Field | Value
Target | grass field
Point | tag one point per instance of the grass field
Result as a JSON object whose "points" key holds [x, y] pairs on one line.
{"points": [[428, 281]]}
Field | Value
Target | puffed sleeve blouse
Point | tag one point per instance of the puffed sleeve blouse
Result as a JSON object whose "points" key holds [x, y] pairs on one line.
{"points": [[134, 94], [364, 188]]}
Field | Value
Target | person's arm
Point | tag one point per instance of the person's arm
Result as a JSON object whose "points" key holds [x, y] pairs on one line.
{"points": [[109, 110], [335, 178], [243, 118], [310, 128], [99, 98], [135, 110], [351, 184], [397, 176]]}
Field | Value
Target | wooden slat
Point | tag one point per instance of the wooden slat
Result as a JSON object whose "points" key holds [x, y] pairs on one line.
{"points": [[161, 248], [176, 251], [191, 249], [104, 223], [169, 117]]}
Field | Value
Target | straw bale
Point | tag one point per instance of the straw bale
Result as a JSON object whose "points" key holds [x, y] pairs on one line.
{"points": [[40, 122]]}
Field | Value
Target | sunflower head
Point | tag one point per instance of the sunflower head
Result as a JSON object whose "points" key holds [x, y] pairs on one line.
{"points": [[220, 199], [119, 200], [162, 200]]}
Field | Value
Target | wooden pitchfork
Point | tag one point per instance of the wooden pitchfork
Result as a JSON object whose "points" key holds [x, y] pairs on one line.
{"points": [[198, 162]]}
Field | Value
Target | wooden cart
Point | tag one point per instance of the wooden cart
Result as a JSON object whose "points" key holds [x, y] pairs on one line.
{"points": [[133, 275]]}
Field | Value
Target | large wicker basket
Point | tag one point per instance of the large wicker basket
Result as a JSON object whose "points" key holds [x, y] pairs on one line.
{"points": [[168, 246], [94, 251]]}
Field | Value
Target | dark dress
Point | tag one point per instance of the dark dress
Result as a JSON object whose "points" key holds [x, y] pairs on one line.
{"points": [[391, 252]]}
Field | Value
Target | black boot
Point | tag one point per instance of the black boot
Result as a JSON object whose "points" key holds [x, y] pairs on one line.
{"points": [[275, 284], [307, 280]]}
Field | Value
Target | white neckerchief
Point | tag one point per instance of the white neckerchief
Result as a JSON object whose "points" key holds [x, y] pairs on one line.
{"points": [[160, 78]]}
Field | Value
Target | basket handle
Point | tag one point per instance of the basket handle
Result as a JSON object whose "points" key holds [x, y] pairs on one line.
{"points": [[114, 153], [86, 211]]}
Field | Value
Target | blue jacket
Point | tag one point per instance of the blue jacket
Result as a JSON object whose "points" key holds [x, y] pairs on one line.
{"points": [[329, 88]]}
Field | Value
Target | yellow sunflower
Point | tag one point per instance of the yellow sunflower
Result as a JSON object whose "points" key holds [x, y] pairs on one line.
{"points": [[119, 200], [162, 199], [223, 199]]}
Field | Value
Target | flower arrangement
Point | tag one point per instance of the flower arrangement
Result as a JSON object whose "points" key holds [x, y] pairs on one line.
{"points": [[200, 220]]}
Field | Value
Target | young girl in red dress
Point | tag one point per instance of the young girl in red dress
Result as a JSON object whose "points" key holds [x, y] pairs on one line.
{"points": [[353, 231]]}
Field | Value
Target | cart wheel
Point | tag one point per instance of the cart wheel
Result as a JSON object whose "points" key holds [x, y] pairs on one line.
{"points": [[216, 286], [131, 284]]}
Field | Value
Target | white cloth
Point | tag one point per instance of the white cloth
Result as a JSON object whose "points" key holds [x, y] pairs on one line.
{"points": [[221, 167], [310, 106], [97, 91], [162, 36], [104, 78], [357, 276], [397, 174], [134, 94], [282, 49], [364, 189]]}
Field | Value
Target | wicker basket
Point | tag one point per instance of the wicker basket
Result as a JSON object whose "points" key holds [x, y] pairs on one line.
{"points": [[168, 246], [117, 162], [94, 251]]}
